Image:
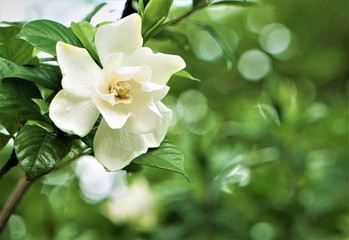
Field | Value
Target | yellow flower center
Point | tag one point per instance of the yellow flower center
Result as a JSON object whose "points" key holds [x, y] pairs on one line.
{"points": [[120, 89]]}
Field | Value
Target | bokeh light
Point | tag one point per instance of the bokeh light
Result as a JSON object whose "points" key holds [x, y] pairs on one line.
{"points": [[254, 64]]}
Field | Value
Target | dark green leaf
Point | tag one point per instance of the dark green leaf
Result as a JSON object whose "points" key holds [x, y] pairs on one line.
{"points": [[155, 13], [227, 51], [86, 34], [9, 123], [15, 50], [15, 99], [232, 3], [4, 138], [44, 75], [185, 74], [94, 11], [44, 35], [39, 151], [199, 3], [166, 156]]}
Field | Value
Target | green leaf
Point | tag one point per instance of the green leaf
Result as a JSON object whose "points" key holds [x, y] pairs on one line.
{"points": [[185, 74], [140, 8], [94, 11], [227, 51], [166, 156], [44, 75], [43, 105], [269, 112], [44, 35], [15, 99], [9, 123], [4, 138], [15, 50], [39, 151], [232, 3], [86, 34], [155, 13]]}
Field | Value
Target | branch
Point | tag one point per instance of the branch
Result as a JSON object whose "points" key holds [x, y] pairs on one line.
{"points": [[11, 162], [13, 201]]}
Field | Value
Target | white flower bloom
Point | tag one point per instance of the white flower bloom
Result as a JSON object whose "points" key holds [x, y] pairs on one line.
{"points": [[127, 91]]}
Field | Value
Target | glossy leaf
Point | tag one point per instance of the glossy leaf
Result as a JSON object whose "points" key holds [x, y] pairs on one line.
{"points": [[4, 138], [44, 35], [44, 75], [15, 99], [9, 123], [39, 151], [15, 50], [86, 34], [167, 156]]}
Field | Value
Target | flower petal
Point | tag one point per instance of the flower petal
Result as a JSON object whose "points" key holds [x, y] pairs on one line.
{"points": [[115, 116], [162, 65], [157, 91], [116, 148], [123, 36], [73, 114], [156, 137], [113, 63], [145, 117], [78, 68]]}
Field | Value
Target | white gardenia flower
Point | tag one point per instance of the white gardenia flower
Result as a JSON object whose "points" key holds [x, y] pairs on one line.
{"points": [[127, 92]]}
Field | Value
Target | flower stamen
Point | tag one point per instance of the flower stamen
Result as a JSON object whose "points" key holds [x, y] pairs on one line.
{"points": [[120, 89]]}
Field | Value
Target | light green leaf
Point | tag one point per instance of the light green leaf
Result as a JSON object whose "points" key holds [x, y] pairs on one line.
{"points": [[43, 105], [15, 50], [166, 156], [86, 34], [227, 51], [44, 35], [44, 75], [269, 113], [39, 151], [94, 11], [15, 99], [155, 13], [4, 138], [185, 74]]}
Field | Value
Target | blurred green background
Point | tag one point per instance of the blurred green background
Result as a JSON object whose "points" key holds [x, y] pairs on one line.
{"points": [[264, 134]]}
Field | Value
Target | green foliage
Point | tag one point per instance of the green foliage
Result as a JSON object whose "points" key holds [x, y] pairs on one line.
{"points": [[86, 34], [39, 151], [232, 3], [155, 13], [167, 156], [4, 138], [44, 35], [227, 51], [264, 156], [16, 101], [94, 11], [44, 75], [15, 50], [187, 75], [9, 123]]}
